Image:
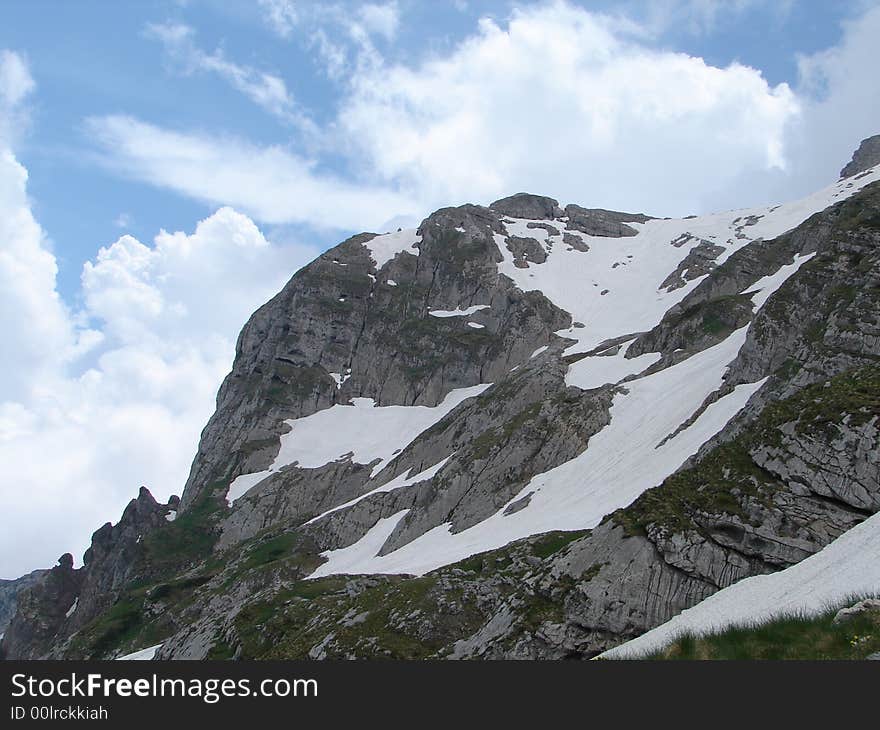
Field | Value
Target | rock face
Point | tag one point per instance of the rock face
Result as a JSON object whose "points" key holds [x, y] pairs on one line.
{"points": [[342, 315], [865, 157], [415, 427], [42, 608], [9, 590]]}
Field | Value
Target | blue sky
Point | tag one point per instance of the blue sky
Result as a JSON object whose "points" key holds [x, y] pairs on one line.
{"points": [[98, 58], [166, 165]]}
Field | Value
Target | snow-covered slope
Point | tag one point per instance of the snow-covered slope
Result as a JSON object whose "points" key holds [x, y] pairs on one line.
{"points": [[613, 289], [849, 566], [623, 460]]}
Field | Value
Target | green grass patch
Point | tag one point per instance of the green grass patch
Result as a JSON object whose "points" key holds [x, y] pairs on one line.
{"points": [[271, 550], [188, 539], [791, 637], [553, 542]]}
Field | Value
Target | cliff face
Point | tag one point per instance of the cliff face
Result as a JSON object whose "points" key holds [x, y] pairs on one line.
{"points": [[9, 591], [520, 430]]}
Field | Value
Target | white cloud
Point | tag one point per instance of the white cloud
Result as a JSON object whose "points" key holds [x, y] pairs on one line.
{"points": [[266, 90], [564, 102], [557, 100], [280, 15], [332, 53], [840, 101], [268, 183], [380, 19], [15, 79], [34, 321], [698, 17], [842, 98], [95, 402], [16, 84]]}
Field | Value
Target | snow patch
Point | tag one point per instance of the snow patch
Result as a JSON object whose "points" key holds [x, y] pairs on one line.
{"points": [[348, 559], [596, 371], [142, 655], [458, 312], [765, 287], [542, 348], [339, 378], [362, 431], [400, 481], [384, 248], [847, 566]]}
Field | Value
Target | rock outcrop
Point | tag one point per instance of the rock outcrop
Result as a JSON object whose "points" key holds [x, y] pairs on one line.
{"points": [[63, 600], [9, 590], [866, 156], [41, 611]]}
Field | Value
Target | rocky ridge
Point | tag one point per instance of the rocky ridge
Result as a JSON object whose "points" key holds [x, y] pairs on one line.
{"points": [[249, 565]]}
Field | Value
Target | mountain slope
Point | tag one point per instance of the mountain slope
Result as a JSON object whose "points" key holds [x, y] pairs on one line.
{"points": [[573, 423]]}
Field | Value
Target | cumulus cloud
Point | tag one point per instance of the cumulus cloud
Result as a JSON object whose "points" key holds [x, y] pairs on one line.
{"points": [[840, 106], [842, 99], [33, 319], [98, 400], [79, 435], [569, 103]]}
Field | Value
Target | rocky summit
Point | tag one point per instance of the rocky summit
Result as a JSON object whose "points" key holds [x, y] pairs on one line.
{"points": [[527, 430]]}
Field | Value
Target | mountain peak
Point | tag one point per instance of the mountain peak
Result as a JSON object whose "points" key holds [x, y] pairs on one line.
{"points": [[865, 157], [526, 205]]}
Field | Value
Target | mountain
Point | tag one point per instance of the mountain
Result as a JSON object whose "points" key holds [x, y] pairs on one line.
{"points": [[518, 431], [864, 158]]}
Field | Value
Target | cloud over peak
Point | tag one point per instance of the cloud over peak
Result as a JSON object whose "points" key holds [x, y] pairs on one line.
{"points": [[555, 99]]}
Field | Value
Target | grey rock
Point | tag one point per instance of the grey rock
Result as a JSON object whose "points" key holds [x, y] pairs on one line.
{"points": [[526, 205], [382, 336], [844, 615], [525, 250], [41, 612], [865, 157], [699, 262], [576, 242], [600, 222], [9, 590]]}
